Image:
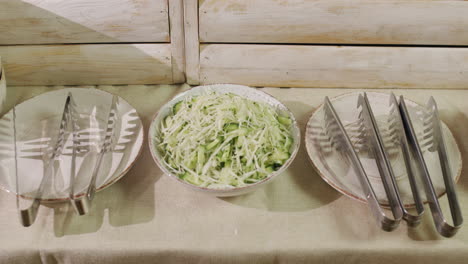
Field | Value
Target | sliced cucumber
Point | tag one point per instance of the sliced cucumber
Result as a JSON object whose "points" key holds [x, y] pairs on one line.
{"points": [[288, 143], [213, 144], [250, 180], [231, 127], [279, 156], [270, 169], [192, 163], [188, 178], [284, 120], [176, 108]]}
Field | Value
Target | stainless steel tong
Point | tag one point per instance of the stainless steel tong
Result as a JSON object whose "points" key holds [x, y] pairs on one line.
{"points": [[83, 204], [28, 215], [398, 131], [341, 142], [434, 133], [381, 155], [376, 147]]}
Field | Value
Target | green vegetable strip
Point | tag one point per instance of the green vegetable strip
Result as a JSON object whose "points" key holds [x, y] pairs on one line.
{"points": [[223, 140]]}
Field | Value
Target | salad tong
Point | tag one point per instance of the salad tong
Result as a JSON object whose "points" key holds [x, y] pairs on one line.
{"points": [[29, 214], [342, 143], [398, 131], [381, 154], [434, 133]]}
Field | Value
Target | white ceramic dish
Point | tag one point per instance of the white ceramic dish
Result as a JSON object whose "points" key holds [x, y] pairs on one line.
{"points": [[38, 121], [244, 91], [336, 171]]}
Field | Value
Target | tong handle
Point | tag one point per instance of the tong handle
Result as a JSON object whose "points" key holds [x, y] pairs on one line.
{"points": [[445, 166], [26, 216], [92, 186], [83, 204]]}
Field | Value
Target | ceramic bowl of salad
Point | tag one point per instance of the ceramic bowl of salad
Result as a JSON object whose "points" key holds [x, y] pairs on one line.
{"points": [[224, 139]]}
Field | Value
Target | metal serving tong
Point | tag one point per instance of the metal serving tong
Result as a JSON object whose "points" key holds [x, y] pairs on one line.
{"points": [[376, 147], [83, 204], [28, 215], [380, 153], [398, 131], [435, 136], [341, 142]]}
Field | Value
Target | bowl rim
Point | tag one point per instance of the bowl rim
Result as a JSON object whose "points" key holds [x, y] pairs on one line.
{"points": [[296, 144]]}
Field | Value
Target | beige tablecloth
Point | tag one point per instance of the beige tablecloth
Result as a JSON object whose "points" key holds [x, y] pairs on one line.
{"points": [[148, 218]]}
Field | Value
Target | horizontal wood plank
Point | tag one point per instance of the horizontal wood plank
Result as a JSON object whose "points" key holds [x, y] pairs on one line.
{"points": [[412, 22], [83, 21], [334, 66], [87, 64]]}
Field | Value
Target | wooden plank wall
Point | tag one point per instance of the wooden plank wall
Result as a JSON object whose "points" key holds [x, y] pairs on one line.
{"points": [[370, 43], [92, 42]]}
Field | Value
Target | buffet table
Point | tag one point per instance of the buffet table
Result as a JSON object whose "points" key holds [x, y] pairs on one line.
{"points": [[148, 218]]}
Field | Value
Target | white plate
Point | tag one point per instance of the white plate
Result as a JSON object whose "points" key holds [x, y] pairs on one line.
{"points": [[336, 171], [244, 91], [38, 120]]}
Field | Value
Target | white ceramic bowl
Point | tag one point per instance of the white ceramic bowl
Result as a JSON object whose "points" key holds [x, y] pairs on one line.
{"points": [[244, 91]]}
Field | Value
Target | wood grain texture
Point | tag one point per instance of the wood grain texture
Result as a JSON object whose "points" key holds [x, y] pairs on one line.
{"points": [[192, 45], [87, 64], [334, 66], [83, 21], [176, 19], [428, 22]]}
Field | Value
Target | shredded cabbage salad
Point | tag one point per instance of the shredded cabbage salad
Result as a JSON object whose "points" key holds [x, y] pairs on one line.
{"points": [[223, 141]]}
